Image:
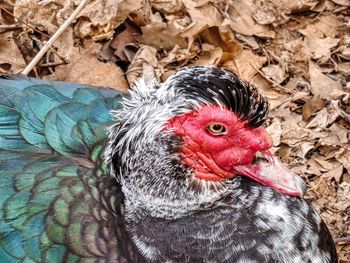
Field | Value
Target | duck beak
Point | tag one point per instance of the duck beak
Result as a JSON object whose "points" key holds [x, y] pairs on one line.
{"points": [[268, 170]]}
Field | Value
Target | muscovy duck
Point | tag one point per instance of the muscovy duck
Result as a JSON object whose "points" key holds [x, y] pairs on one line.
{"points": [[184, 175]]}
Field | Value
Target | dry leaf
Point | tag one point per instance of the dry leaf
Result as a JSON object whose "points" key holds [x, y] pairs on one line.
{"points": [[11, 60], [312, 106], [343, 203], [85, 68], [320, 47], [247, 63], [203, 15], [322, 119], [162, 35], [177, 55], [321, 85], [344, 68], [275, 131], [342, 2], [324, 165], [221, 46], [241, 21], [296, 6], [127, 37], [275, 73], [167, 6], [325, 26], [294, 137], [145, 60], [65, 42], [305, 149], [329, 25], [210, 57], [103, 16], [264, 16], [42, 14], [345, 53]]}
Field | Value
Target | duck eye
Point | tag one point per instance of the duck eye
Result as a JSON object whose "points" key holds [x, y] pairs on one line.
{"points": [[217, 129]]}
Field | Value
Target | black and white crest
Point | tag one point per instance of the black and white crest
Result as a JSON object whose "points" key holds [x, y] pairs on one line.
{"points": [[222, 87]]}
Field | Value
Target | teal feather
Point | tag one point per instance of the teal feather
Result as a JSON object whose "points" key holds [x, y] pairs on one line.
{"points": [[60, 122], [52, 137], [43, 97], [85, 95]]}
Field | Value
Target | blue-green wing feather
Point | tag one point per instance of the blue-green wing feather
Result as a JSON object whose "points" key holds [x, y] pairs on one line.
{"points": [[53, 203]]}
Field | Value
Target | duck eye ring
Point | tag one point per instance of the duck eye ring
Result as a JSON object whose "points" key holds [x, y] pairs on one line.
{"points": [[217, 129]]}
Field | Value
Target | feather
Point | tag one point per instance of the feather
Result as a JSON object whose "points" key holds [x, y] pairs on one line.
{"points": [[50, 208]]}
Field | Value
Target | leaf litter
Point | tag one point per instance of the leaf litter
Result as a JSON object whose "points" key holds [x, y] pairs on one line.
{"points": [[296, 52]]}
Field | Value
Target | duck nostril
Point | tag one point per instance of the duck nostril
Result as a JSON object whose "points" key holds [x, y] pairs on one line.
{"points": [[259, 158]]}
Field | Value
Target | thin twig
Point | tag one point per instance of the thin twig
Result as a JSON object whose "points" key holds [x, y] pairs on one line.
{"points": [[342, 240], [23, 22], [52, 64], [48, 44], [9, 26], [65, 61]]}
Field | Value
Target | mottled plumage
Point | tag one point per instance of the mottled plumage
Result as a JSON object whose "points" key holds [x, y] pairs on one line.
{"points": [[61, 202]]}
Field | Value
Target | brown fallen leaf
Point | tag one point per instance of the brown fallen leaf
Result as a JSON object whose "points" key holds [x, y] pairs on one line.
{"points": [[222, 37], [211, 56], [145, 60], [321, 85], [247, 63], [324, 165], [248, 40], [343, 195], [296, 6], [99, 18], [203, 15], [11, 60], [344, 68], [345, 53], [322, 119], [294, 137], [85, 68], [312, 106], [305, 148], [275, 131], [42, 14], [323, 26], [167, 6], [275, 73], [241, 21], [335, 173], [264, 16], [342, 2], [320, 47], [129, 35], [178, 56], [329, 25], [163, 35]]}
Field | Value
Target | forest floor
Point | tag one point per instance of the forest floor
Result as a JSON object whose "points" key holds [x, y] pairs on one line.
{"points": [[296, 52]]}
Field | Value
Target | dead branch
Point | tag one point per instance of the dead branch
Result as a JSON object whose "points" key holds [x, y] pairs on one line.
{"points": [[49, 43]]}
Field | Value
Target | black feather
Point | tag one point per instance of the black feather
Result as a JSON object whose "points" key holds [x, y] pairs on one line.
{"points": [[212, 84]]}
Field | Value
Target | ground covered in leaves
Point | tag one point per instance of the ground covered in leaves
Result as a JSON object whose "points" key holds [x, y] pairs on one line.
{"points": [[296, 52]]}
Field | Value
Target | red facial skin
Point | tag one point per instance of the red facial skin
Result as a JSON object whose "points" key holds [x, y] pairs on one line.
{"points": [[219, 153], [215, 157]]}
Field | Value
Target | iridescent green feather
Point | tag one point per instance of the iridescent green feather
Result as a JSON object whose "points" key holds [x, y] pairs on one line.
{"points": [[52, 177]]}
